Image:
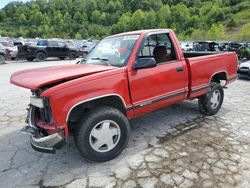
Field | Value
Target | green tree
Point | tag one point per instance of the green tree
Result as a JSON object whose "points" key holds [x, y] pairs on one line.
{"points": [[96, 17], [2, 15], [216, 32], [150, 20], [198, 34], [164, 16], [124, 24], [137, 20], [78, 35], [77, 17], [244, 32]]}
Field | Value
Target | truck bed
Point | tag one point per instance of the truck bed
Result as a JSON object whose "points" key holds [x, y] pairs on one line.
{"points": [[204, 66], [198, 54]]}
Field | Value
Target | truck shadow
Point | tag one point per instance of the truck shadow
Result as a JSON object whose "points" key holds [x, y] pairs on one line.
{"points": [[147, 131]]}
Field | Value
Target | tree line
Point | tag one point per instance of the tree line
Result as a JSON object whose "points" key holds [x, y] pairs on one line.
{"points": [[190, 19]]}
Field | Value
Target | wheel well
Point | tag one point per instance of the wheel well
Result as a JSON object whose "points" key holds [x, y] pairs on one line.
{"points": [[218, 77], [78, 111], [3, 56]]}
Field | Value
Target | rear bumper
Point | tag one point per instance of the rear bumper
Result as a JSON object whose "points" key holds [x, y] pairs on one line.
{"points": [[46, 144]]}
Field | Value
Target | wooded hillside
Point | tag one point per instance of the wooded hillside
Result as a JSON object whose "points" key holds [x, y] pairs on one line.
{"points": [[191, 19]]}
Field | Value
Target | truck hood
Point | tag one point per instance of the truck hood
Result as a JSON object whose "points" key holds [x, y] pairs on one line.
{"points": [[36, 78]]}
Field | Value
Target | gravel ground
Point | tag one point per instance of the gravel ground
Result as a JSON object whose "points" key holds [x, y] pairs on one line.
{"points": [[172, 147]]}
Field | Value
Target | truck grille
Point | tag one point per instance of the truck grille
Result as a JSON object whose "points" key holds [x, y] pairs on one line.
{"points": [[43, 114]]}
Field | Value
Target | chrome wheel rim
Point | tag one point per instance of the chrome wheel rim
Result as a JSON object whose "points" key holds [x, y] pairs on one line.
{"points": [[104, 136], [215, 99]]}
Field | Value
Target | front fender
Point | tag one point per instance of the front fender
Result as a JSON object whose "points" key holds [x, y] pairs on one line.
{"points": [[63, 99]]}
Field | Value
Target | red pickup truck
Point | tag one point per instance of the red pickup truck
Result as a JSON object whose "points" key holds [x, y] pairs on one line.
{"points": [[124, 76]]}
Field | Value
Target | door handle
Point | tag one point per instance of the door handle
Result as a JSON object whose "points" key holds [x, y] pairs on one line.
{"points": [[179, 69]]}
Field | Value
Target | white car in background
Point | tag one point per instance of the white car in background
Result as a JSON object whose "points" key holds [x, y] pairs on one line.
{"points": [[244, 70], [10, 48], [186, 46], [4, 55]]}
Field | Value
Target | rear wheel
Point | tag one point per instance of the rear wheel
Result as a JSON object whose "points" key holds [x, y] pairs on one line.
{"points": [[41, 56], [84, 54], [102, 134], [30, 58], [2, 59], [211, 102], [72, 55]]}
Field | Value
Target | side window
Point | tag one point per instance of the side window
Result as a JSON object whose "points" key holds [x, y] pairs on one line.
{"points": [[52, 44], [42, 43], [160, 47], [61, 44], [148, 48]]}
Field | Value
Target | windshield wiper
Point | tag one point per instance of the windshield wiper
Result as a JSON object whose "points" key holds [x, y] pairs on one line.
{"points": [[103, 60]]}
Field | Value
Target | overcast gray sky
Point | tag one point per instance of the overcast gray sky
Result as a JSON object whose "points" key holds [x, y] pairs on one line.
{"points": [[5, 2]]}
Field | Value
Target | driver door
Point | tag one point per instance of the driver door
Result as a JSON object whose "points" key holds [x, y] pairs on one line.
{"points": [[153, 88]]}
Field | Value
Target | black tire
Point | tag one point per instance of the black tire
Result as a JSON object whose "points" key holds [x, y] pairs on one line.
{"points": [[40, 56], [72, 55], [205, 105], [2, 59], [61, 58], [84, 54], [30, 58], [88, 123]]}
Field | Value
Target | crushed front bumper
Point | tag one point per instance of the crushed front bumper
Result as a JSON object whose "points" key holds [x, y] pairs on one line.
{"points": [[46, 144]]}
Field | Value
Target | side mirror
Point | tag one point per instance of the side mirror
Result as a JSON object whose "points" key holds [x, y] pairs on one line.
{"points": [[143, 63]]}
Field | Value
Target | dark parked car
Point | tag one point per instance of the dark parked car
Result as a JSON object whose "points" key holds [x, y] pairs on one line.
{"points": [[80, 52], [205, 46], [229, 46], [45, 49], [4, 55], [88, 46]]}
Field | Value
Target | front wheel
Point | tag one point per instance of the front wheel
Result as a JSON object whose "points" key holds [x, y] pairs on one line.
{"points": [[102, 134], [211, 102], [72, 55], [41, 56]]}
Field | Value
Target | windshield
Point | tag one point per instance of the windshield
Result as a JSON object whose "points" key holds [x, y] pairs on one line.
{"points": [[113, 51]]}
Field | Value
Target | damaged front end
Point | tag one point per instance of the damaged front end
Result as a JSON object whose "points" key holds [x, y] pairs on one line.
{"points": [[44, 135]]}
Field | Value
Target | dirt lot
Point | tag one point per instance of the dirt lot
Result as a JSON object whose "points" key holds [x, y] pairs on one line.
{"points": [[172, 147]]}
